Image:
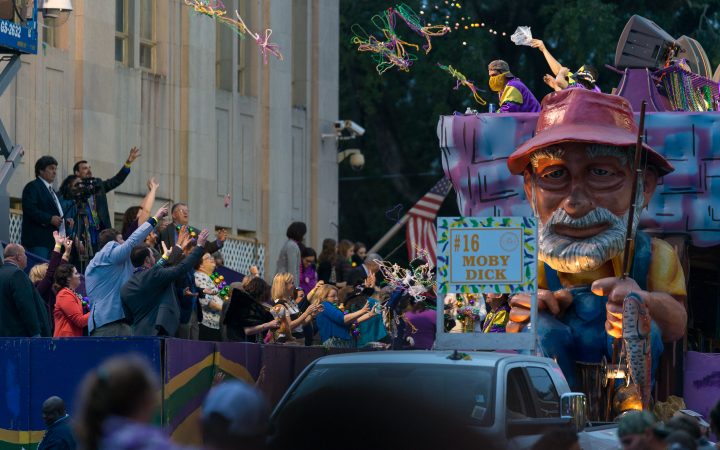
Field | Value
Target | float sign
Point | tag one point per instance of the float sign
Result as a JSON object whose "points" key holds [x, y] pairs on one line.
{"points": [[486, 254]]}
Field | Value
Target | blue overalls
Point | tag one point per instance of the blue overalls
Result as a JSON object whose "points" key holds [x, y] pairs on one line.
{"points": [[579, 335]]}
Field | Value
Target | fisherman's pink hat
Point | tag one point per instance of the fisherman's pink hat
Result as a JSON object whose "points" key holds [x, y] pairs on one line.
{"points": [[581, 115]]}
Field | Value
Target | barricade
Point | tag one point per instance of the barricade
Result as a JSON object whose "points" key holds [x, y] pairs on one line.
{"points": [[35, 369]]}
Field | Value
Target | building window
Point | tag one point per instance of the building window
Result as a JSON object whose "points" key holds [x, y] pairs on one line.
{"points": [[247, 51], [49, 35], [299, 53], [224, 37], [147, 34], [122, 35]]}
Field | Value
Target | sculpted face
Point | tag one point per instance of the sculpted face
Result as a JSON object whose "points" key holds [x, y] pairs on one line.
{"points": [[582, 195]]}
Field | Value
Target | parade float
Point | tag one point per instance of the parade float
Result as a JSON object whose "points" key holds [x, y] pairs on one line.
{"points": [[673, 78]]}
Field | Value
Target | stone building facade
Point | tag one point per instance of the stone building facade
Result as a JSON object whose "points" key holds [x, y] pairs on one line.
{"points": [[210, 118]]}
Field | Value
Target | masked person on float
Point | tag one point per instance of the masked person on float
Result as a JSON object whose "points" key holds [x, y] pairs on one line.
{"points": [[514, 95]]}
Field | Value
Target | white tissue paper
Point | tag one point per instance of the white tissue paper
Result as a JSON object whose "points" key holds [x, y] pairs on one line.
{"points": [[522, 36]]}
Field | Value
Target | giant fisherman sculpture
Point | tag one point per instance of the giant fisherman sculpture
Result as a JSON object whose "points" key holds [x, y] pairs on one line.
{"points": [[578, 176]]}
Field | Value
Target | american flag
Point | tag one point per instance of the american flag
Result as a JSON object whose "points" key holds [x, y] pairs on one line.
{"points": [[420, 232]]}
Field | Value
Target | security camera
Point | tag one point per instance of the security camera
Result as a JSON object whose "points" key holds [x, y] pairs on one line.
{"points": [[357, 161], [349, 126], [55, 12]]}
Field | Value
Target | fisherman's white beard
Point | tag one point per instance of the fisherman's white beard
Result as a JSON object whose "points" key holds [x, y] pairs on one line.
{"points": [[570, 255]]}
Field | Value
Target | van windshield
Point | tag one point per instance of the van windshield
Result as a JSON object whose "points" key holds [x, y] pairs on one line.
{"points": [[466, 391]]}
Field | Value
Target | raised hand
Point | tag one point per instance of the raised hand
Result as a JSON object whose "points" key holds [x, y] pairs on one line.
{"points": [[538, 44], [134, 154], [68, 243], [183, 237], [59, 238], [152, 184], [202, 238], [162, 211], [370, 281]]}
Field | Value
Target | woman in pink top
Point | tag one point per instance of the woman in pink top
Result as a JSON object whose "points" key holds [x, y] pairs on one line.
{"points": [[70, 318]]}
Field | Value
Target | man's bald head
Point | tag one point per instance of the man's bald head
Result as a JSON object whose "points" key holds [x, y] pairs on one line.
{"points": [[15, 253], [53, 409]]}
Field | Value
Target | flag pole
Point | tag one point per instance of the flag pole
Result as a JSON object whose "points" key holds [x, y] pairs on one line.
{"points": [[391, 232]]}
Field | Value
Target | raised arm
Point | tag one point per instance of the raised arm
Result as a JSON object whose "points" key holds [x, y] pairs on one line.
{"points": [[168, 274], [349, 318], [122, 252], [555, 66], [147, 203], [45, 284], [119, 178]]}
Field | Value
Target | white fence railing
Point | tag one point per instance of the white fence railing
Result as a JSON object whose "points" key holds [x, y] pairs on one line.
{"points": [[239, 254]]}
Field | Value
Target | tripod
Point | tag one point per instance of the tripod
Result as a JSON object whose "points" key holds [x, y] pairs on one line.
{"points": [[82, 234]]}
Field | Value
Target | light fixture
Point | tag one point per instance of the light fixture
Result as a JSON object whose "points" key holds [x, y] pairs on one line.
{"points": [[357, 159], [55, 12]]}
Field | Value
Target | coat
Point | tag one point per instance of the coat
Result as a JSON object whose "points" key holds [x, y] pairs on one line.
{"points": [[22, 311], [38, 208], [167, 235], [148, 297], [59, 436], [69, 316]]}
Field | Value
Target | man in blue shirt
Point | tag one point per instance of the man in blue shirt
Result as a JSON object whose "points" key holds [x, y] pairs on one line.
{"points": [[107, 273]]}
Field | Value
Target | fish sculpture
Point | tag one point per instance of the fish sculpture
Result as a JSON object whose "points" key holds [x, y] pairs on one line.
{"points": [[636, 340]]}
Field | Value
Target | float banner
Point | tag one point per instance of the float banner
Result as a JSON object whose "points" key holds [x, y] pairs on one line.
{"points": [[486, 254]]}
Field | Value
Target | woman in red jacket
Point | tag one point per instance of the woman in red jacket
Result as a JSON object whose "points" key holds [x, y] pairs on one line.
{"points": [[70, 319]]}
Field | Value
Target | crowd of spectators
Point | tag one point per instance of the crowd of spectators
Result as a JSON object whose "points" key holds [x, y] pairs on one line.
{"points": [[157, 277]]}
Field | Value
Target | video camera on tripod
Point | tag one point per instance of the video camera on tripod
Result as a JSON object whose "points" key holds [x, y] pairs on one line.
{"points": [[85, 188]]}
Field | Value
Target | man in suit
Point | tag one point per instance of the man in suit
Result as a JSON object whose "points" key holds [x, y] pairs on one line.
{"points": [[181, 216], [97, 205], [59, 434], [42, 212], [358, 275], [22, 311], [148, 297]]}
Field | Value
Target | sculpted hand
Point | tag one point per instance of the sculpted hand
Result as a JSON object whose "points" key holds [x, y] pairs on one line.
{"points": [[134, 154], [553, 302], [616, 289]]}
